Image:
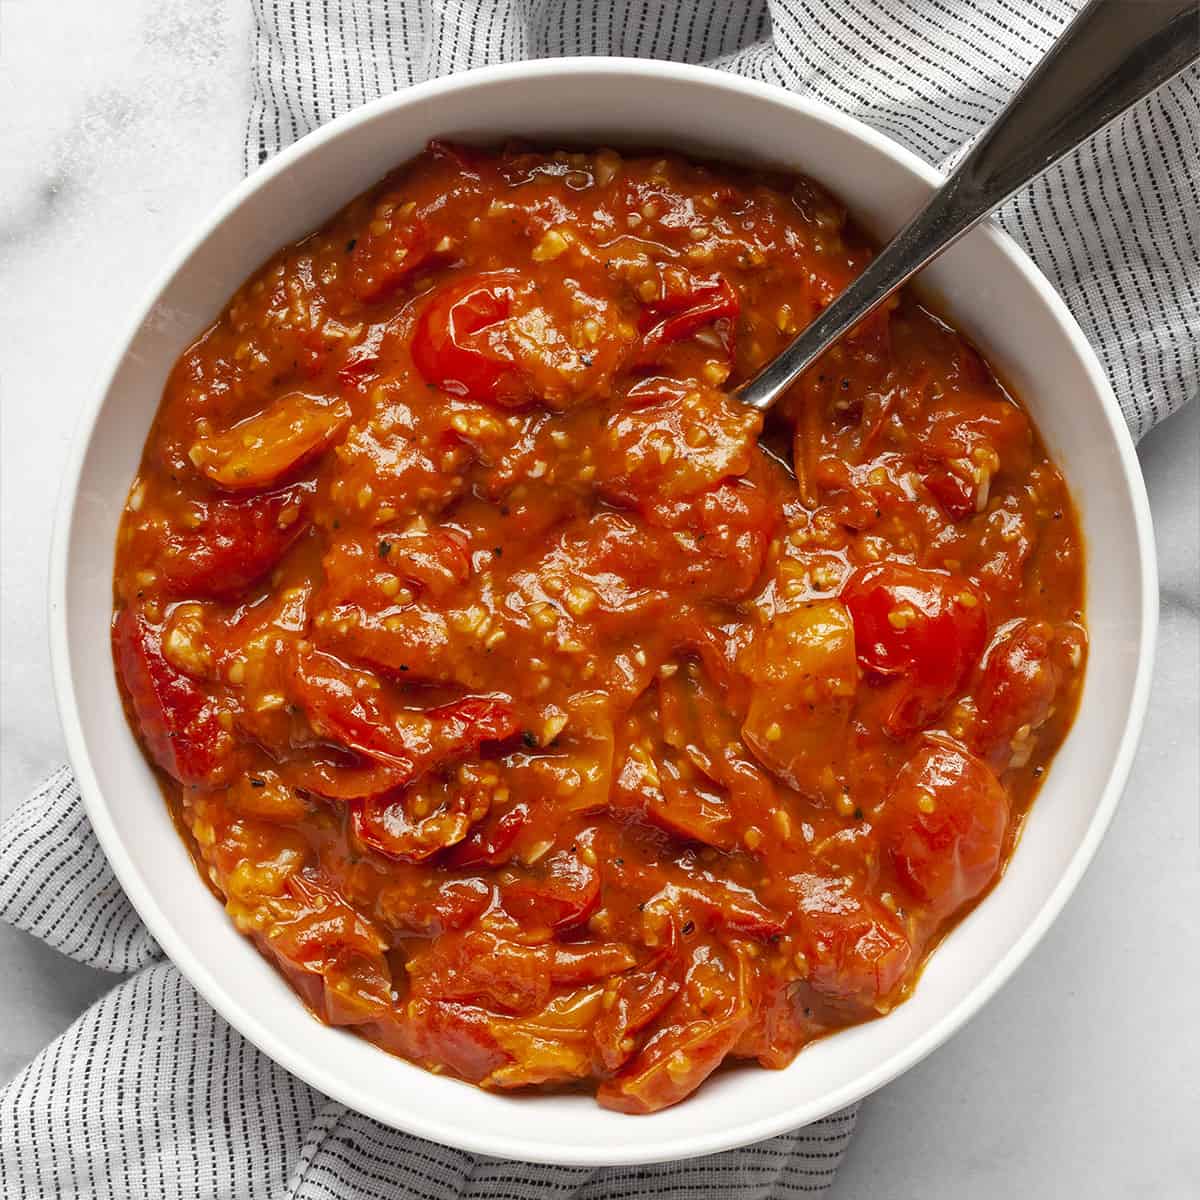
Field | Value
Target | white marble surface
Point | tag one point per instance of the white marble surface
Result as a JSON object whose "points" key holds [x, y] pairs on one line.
{"points": [[120, 124]]}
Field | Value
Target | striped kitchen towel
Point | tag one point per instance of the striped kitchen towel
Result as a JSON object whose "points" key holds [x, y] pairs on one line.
{"points": [[150, 1093]]}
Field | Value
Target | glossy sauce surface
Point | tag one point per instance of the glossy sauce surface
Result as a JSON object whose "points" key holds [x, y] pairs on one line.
{"points": [[541, 716]]}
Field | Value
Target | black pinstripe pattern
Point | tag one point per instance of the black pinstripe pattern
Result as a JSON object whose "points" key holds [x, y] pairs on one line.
{"points": [[83, 912]]}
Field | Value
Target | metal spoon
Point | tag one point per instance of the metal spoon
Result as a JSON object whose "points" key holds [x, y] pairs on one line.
{"points": [[1110, 56]]}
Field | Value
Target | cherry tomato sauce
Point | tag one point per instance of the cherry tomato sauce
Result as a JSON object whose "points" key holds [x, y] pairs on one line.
{"points": [[541, 716]]}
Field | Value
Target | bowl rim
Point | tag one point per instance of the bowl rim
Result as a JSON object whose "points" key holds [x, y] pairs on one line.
{"points": [[257, 1030]]}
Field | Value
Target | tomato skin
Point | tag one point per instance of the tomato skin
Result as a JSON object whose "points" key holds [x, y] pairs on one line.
{"points": [[452, 347], [452, 906], [731, 907], [926, 627], [342, 709], [491, 846], [334, 778], [856, 951], [407, 641], [237, 543], [383, 824], [482, 968], [376, 270], [640, 997], [804, 682], [677, 1058], [457, 1036], [564, 894], [682, 311], [863, 958], [435, 561], [688, 810], [362, 359], [944, 823], [178, 722], [1019, 682], [507, 976], [332, 956], [951, 491], [271, 445], [649, 1083], [966, 422], [348, 711], [585, 962], [474, 720], [655, 420]]}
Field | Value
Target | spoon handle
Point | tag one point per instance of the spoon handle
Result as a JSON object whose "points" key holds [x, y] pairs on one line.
{"points": [[1111, 55]]}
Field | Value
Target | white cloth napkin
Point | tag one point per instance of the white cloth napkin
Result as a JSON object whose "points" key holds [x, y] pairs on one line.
{"points": [[150, 1093]]}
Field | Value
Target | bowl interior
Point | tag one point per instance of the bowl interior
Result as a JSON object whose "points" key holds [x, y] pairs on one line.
{"points": [[987, 288]]}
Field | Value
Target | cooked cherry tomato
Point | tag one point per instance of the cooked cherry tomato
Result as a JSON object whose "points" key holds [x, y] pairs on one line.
{"points": [[945, 821], [978, 431], [363, 359], [805, 680], [674, 1063], [687, 305], [508, 975], [563, 894], [460, 344], [690, 807], [928, 628], [349, 708], [858, 959], [178, 721], [639, 998], [492, 845], [234, 544], [339, 776], [669, 443], [952, 490], [854, 953], [1019, 683], [454, 905], [265, 794], [387, 825], [388, 252], [730, 907], [676, 1060], [331, 952], [275, 443]]}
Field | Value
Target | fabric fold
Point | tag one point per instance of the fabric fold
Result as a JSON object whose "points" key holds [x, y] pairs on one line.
{"points": [[56, 884]]}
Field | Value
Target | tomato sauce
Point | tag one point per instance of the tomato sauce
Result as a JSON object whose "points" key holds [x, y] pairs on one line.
{"points": [[541, 715]]}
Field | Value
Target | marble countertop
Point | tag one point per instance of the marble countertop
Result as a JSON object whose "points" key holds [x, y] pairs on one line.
{"points": [[122, 125]]}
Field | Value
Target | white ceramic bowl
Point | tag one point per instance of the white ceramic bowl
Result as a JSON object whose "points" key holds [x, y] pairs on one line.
{"points": [[986, 285]]}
